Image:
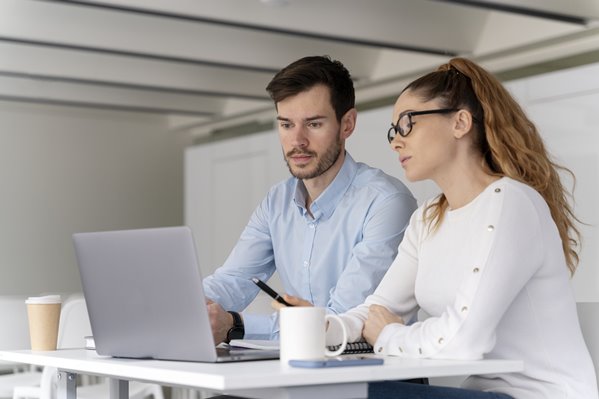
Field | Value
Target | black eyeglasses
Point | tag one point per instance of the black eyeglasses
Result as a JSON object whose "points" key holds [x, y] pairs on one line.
{"points": [[404, 123]]}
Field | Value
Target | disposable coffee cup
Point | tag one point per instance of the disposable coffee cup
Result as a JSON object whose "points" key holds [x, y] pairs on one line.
{"points": [[43, 313]]}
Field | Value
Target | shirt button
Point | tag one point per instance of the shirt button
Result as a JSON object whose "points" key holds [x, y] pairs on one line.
{"points": [[380, 349], [497, 190], [311, 225], [475, 270], [464, 308], [490, 227], [441, 341], [306, 263], [420, 350], [400, 349]]}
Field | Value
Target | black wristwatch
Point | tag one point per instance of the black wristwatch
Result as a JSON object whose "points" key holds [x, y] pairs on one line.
{"points": [[237, 331]]}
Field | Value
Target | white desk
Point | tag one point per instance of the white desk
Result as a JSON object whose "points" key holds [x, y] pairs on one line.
{"points": [[261, 379]]}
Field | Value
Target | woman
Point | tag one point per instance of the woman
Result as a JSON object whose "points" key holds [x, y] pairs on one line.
{"points": [[490, 258]]}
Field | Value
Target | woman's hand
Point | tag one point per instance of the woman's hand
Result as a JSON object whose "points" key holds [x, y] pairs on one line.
{"points": [[292, 300], [378, 318]]}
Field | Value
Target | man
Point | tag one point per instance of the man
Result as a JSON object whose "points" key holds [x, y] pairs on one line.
{"points": [[330, 231]]}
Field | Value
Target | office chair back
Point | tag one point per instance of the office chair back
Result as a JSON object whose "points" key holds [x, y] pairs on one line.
{"points": [[588, 314], [74, 323], [14, 327]]}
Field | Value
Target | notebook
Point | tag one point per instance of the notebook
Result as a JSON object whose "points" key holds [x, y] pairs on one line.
{"points": [[145, 298], [351, 348], [354, 347]]}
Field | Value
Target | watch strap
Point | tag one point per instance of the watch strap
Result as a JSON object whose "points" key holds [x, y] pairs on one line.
{"points": [[238, 330]]}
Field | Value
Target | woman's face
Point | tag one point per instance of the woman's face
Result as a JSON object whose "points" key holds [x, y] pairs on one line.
{"points": [[429, 149]]}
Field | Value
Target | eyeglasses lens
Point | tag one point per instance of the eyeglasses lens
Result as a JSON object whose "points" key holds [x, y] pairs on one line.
{"points": [[402, 128], [404, 125]]}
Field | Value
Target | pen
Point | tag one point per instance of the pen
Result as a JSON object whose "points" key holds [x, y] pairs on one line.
{"points": [[264, 287]]}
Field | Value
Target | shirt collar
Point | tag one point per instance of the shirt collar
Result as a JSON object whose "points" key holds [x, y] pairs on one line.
{"points": [[328, 200]]}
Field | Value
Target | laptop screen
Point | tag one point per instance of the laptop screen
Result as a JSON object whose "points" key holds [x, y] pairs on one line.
{"points": [[144, 294]]}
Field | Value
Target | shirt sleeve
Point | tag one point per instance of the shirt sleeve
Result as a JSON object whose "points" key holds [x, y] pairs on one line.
{"points": [[371, 257], [505, 254], [261, 326], [396, 290], [230, 285]]}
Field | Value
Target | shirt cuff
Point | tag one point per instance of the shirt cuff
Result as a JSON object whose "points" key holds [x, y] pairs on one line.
{"points": [[259, 326]]}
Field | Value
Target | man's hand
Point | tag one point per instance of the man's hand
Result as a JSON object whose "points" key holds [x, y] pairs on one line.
{"points": [[221, 321], [292, 300], [378, 318]]}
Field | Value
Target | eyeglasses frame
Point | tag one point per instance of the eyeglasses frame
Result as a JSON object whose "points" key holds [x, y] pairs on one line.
{"points": [[396, 129]]}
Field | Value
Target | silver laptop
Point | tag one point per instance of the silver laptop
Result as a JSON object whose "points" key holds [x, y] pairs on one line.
{"points": [[145, 298]]}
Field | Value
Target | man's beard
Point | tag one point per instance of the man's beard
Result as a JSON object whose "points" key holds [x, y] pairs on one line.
{"points": [[325, 162]]}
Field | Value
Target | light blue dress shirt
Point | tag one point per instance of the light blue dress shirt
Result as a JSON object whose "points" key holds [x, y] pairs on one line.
{"points": [[334, 260]]}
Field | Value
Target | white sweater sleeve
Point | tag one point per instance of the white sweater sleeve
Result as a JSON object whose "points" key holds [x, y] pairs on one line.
{"points": [[506, 249], [396, 290], [506, 252]]}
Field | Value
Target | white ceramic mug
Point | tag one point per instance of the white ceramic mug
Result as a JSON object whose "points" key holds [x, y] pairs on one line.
{"points": [[302, 333]]}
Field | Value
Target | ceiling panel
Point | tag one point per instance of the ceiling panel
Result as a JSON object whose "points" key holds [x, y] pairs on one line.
{"points": [[205, 64], [29, 89], [391, 23]]}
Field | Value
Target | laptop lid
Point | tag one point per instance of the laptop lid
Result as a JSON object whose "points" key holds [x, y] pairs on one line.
{"points": [[145, 297]]}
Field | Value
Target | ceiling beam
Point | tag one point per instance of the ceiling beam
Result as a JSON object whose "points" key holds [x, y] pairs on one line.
{"points": [[267, 29], [31, 89], [133, 86], [137, 54], [526, 11], [92, 105]]}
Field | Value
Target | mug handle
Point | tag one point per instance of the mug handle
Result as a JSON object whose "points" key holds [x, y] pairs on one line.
{"points": [[344, 329]]}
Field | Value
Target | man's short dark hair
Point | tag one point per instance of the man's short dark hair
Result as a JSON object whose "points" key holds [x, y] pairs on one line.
{"points": [[308, 72]]}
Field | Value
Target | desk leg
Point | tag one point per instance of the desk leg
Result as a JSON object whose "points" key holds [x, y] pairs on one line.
{"points": [[67, 385], [119, 389]]}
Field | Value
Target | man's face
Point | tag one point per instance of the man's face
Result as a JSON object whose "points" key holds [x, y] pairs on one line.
{"points": [[309, 132]]}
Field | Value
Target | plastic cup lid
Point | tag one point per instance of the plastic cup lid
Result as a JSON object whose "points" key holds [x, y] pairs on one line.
{"points": [[36, 300]]}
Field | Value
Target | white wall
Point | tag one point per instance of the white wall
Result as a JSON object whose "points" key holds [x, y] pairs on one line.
{"points": [[66, 170], [224, 182], [565, 107]]}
